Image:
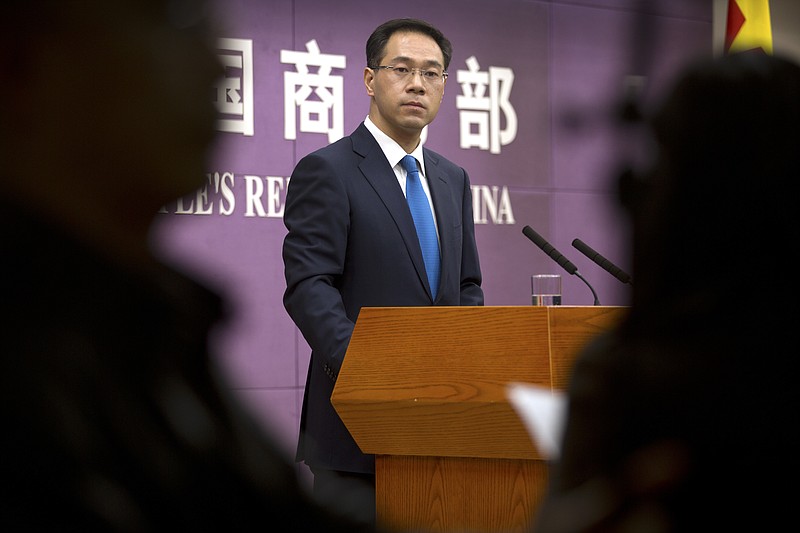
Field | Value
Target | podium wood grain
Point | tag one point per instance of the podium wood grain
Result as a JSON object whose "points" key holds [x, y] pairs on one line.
{"points": [[424, 389]]}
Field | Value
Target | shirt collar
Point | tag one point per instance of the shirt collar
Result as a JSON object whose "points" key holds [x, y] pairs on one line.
{"points": [[393, 151]]}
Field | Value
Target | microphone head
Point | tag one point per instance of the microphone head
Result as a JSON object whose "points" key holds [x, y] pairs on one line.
{"points": [[537, 239], [601, 261], [547, 248]]}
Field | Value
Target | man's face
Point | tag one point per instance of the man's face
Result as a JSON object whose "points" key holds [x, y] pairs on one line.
{"points": [[402, 105]]}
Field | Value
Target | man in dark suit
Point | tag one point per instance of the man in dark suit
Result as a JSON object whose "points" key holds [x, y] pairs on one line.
{"points": [[352, 240]]}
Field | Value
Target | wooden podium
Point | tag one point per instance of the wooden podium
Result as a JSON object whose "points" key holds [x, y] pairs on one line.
{"points": [[424, 389]]}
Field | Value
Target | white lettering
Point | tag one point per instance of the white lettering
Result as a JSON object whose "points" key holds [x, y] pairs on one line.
{"points": [[324, 113], [255, 189], [259, 196], [234, 90], [491, 203], [479, 116]]}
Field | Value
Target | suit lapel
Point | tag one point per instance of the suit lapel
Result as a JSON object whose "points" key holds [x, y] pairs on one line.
{"points": [[376, 170]]}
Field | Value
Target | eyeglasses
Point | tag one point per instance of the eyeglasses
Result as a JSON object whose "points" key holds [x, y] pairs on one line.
{"points": [[429, 76]]}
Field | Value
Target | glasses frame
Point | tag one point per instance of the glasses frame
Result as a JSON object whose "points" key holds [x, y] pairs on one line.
{"points": [[411, 71]]}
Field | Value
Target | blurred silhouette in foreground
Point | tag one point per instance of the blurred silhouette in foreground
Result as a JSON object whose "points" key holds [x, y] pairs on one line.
{"points": [[682, 417], [113, 414]]}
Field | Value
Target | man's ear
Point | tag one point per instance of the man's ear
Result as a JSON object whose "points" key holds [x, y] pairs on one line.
{"points": [[369, 79]]}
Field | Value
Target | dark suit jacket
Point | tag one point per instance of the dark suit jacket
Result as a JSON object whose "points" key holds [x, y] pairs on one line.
{"points": [[352, 243]]}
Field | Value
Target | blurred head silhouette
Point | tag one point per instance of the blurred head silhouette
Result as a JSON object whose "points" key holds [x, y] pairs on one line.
{"points": [[682, 417], [116, 415], [713, 311], [719, 203], [105, 113]]}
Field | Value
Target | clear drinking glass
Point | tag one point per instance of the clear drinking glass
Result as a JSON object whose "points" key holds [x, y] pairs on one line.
{"points": [[546, 289]]}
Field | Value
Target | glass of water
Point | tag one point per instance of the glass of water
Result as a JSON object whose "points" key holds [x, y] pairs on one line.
{"points": [[546, 289]]}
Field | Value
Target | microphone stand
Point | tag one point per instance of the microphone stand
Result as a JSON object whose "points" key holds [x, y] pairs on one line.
{"points": [[596, 300]]}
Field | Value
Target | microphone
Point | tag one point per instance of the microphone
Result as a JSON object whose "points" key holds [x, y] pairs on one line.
{"points": [[604, 263], [557, 256], [554, 254]]}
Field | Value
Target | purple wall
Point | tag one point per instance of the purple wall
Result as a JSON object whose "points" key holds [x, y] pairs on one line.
{"points": [[552, 166]]}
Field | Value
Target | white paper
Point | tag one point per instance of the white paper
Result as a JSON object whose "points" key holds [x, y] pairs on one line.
{"points": [[542, 412]]}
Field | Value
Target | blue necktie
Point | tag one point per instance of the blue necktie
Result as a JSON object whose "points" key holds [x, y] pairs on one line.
{"points": [[423, 220]]}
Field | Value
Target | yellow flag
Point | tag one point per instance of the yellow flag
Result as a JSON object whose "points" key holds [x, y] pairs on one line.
{"points": [[748, 26]]}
